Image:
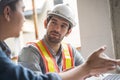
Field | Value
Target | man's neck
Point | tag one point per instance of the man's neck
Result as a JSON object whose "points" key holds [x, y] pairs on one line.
{"points": [[55, 47]]}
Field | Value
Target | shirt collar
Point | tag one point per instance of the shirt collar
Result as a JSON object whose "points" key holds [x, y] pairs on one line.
{"points": [[5, 48], [51, 50]]}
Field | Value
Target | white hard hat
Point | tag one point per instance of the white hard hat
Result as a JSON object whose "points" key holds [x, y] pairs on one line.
{"points": [[64, 11]]}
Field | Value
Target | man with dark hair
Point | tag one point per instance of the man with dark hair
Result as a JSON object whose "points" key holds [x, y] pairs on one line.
{"points": [[51, 54], [11, 21]]}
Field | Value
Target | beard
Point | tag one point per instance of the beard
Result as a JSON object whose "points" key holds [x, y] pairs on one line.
{"points": [[54, 37]]}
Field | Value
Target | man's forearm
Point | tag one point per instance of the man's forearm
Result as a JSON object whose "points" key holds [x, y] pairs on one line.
{"points": [[78, 73]]}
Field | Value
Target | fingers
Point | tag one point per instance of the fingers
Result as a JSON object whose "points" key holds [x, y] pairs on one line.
{"points": [[96, 54], [100, 50], [100, 64], [118, 62]]}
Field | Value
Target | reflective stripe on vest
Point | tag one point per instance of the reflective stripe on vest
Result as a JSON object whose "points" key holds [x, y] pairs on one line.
{"points": [[49, 61], [67, 57]]}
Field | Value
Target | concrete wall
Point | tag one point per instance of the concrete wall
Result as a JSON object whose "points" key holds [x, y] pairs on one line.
{"points": [[115, 11], [95, 26]]}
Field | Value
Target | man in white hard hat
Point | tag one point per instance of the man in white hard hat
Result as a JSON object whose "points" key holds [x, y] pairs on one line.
{"points": [[50, 54], [11, 12]]}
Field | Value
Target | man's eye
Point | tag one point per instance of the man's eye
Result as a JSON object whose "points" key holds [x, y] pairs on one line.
{"points": [[54, 23], [64, 26]]}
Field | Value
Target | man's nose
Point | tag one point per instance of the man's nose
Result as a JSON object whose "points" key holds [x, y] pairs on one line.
{"points": [[58, 28]]}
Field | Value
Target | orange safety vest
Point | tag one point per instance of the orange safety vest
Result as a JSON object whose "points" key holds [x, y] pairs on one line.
{"points": [[49, 61]]}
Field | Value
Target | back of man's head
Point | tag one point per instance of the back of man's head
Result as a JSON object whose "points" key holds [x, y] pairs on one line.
{"points": [[4, 3]]}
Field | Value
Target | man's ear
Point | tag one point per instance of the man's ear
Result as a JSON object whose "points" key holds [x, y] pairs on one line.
{"points": [[45, 23], [6, 13], [69, 31]]}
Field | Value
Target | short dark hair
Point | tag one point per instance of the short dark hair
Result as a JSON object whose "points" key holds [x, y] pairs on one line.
{"points": [[50, 16], [10, 3]]}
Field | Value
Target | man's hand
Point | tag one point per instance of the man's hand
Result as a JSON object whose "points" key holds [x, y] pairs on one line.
{"points": [[99, 63], [96, 64]]}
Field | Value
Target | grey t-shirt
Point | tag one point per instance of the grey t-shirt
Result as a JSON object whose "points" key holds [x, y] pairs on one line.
{"points": [[30, 57]]}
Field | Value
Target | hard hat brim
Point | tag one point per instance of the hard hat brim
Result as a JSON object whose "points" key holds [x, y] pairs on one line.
{"points": [[72, 23]]}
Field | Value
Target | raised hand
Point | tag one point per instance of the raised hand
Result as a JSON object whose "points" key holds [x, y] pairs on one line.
{"points": [[99, 63]]}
